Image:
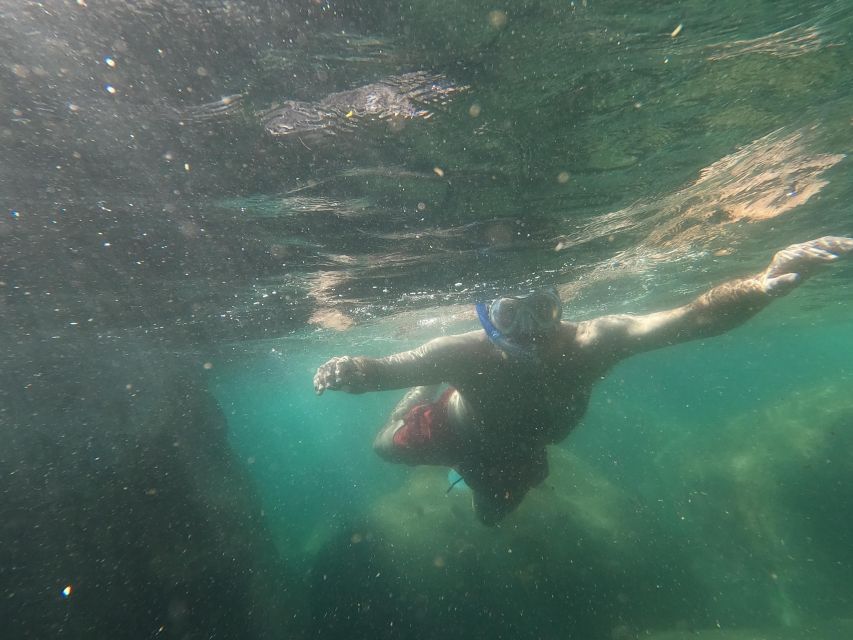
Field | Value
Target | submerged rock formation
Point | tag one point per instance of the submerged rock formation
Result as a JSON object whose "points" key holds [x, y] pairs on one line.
{"points": [[123, 513], [745, 537], [580, 558], [772, 508]]}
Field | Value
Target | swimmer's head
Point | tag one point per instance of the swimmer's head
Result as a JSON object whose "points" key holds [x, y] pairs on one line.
{"points": [[517, 323], [525, 317]]}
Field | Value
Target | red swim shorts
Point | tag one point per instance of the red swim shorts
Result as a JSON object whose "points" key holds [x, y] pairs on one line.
{"points": [[425, 437]]}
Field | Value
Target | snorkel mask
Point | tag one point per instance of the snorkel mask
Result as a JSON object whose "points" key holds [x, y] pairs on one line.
{"points": [[513, 323]]}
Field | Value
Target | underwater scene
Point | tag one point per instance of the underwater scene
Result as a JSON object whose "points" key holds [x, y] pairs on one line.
{"points": [[369, 320]]}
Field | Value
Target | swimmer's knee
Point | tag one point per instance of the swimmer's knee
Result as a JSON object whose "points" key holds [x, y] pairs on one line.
{"points": [[414, 396], [383, 443]]}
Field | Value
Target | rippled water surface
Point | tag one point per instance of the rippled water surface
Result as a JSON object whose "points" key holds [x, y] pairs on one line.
{"points": [[203, 201]]}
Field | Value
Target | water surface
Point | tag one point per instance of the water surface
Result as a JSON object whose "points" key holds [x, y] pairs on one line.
{"points": [[172, 275]]}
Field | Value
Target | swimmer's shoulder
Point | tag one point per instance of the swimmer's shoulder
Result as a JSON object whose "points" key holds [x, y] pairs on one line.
{"points": [[568, 337], [464, 344]]}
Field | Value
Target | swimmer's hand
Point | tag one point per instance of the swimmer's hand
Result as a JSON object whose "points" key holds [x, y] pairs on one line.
{"points": [[339, 374], [792, 265]]}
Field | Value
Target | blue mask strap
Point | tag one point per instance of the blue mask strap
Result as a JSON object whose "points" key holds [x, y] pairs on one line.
{"points": [[497, 338], [490, 329]]}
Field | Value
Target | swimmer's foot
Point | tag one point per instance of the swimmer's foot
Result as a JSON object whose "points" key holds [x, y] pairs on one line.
{"points": [[490, 511]]}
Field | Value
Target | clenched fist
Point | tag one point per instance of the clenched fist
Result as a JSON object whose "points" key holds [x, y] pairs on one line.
{"points": [[339, 374]]}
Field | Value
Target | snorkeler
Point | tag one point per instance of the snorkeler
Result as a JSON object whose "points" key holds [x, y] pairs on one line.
{"points": [[524, 381]]}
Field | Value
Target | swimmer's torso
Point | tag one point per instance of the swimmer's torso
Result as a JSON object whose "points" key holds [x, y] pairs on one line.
{"points": [[510, 403]]}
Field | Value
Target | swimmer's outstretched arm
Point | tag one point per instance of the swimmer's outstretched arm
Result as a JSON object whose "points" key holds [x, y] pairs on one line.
{"points": [[440, 360], [716, 311]]}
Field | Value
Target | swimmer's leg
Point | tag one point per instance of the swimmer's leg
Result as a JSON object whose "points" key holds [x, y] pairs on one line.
{"points": [[415, 395], [383, 444], [499, 487], [491, 507], [418, 431]]}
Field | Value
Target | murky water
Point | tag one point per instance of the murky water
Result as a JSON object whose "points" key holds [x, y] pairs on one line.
{"points": [[204, 201]]}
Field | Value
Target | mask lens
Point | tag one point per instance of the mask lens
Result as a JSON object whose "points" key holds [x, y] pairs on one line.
{"points": [[545, 309], [504, 314], [538, 311]]}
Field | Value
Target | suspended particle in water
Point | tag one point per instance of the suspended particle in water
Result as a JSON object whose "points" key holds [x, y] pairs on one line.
{"points": [[110, 62], [497, 19], [395, 124], [14, 214], [676, 31], [207, 366], [66, 592], [110, 89], [438, 171], [563, 177], [474, 110]]}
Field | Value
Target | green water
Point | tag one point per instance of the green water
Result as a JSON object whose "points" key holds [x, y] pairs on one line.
{"points": [[171, 276], [761, 544]]}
